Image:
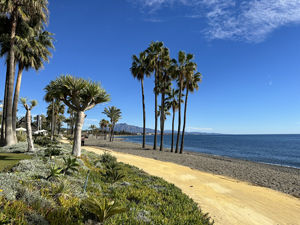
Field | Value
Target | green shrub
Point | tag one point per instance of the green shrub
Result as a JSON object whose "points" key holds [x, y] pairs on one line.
{"points": [[107, 157], [21, 136], [45, 141], [70, 164], [52, 152], [103, 210]]}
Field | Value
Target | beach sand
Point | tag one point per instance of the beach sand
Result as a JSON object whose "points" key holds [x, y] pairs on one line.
{"points": [[226, 198], [279, 178]]}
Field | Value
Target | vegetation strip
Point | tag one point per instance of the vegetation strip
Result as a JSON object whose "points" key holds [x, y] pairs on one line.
{"points": [[116, 193]]}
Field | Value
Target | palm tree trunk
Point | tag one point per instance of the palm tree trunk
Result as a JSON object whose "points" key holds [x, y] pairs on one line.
{"points": [[173, 120], [29, 131], [77, 136], [144, 114], [179, 114], [4, 110], [54, 126], [9, 137], [16, 99], [162, 117], [155, 134], [184, 121], [52, 120]]}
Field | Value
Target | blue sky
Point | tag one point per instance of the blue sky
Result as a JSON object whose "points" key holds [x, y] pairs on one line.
{"points": [[247, 51]]}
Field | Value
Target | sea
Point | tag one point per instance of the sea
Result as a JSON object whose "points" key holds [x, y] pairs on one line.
{"points": [[276, 149]]}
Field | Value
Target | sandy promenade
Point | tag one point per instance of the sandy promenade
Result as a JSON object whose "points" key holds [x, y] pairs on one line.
{"points": [[228, 201]]}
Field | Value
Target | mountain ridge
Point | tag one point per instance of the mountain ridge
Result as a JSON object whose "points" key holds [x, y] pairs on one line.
{"points": [[135, 129]]}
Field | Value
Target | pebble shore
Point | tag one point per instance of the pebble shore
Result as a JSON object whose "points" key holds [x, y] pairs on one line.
{"points": [[279, 178]]}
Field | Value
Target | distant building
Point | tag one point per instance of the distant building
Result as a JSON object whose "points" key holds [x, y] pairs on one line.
{"points": [[22, 123]]}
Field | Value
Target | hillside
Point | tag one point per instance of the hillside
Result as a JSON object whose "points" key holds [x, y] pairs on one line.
{"points": [[136, 129]]}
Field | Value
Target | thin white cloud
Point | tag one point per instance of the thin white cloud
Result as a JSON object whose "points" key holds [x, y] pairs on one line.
{"points": [[93, 120], [249, 21], [199, 129]]}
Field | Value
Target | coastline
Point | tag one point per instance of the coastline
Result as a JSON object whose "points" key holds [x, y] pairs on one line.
{"points": [[279, 178]]}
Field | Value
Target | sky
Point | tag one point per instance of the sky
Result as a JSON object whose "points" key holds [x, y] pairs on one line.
{"points": [[248, 53]]}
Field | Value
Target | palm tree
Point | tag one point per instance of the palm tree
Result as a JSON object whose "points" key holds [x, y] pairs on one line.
{"points": [[59, 119], [28, 108], [138, 70], [180, 68], [103, 124], [71, 112], [56, 109], [80, 95], [154, 53], [31, 54], [31, 49], [166, 112], [165, 84], [114, 114], [172, 101], [26, 10], [49, 97], [190, 84], [93, 127]]}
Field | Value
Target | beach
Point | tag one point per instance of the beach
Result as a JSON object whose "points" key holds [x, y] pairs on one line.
{"points": [[227, 199], [279, 178]]}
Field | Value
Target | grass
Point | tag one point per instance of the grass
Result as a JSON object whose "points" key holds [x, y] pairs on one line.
{"points": [[129, 194], [11, 159]]}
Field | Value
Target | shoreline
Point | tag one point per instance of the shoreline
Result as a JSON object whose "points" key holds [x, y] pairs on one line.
{"points": [[280, 178]]}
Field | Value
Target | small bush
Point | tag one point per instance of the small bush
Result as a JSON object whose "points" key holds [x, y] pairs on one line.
{"points": [[44, 141], [21, 136], [107, 157], [52, 152]]}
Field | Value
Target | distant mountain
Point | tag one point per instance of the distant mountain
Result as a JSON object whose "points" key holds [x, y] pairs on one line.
{"points": [[131, 128], [136, 129]]}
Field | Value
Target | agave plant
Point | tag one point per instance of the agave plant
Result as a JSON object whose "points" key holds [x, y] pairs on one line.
{"points": [[71, 165], [54, 172], [114, 175], [60, 190], [103, 210]]}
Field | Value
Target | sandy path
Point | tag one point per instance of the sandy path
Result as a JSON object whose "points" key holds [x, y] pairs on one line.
{"points": [[228, 201]]}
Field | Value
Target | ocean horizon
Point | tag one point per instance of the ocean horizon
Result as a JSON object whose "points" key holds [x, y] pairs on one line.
{"points": [[275, 149]]}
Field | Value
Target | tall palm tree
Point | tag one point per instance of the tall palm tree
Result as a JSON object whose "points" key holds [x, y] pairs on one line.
{"points": [[14, 9], [190, 84], [173, 102], [31, 49], [165, 84], [114, 114], [28, 108], [80, 95], [59, 119], [71, 112], [92, 128], [31, 54], [138, 70], [153, 54], [180, 68], [56, 109], [166, 112], [103, 124], [49, 97]]}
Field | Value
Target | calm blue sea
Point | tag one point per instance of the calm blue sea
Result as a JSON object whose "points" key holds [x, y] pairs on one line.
{"points": [[273, 149]]}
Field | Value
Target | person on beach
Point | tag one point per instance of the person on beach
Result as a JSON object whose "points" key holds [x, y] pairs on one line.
{"points": [[82, 140]]}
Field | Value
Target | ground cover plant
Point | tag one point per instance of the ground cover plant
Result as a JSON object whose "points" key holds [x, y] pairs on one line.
{"points": [[50, 190]]}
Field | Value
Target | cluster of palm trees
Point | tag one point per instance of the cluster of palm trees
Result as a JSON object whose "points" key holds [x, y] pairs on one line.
{"points": [[156, 60], [114, 114], [25, 43]]}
